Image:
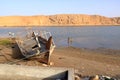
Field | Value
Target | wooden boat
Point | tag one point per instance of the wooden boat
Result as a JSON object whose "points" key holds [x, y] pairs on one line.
{"points": [[39, 44]]}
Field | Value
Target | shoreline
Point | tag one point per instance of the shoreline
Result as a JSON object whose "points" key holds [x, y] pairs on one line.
{"points": [[92, 49]]}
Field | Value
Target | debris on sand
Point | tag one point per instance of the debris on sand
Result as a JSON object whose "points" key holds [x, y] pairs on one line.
{"points": [[96, 77]]}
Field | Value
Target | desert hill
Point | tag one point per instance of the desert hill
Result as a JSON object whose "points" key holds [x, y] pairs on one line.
{"points": [[60, 19]]}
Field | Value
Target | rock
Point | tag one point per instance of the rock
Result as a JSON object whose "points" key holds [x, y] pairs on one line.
{"points": [[51, 63], [45, 65], [77, 77], [94, 77]]}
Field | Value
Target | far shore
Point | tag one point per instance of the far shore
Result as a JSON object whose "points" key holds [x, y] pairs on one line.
{"points": [[63, 26]]}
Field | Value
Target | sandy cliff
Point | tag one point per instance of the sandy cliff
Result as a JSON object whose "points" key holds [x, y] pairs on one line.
{"points": [[61, 19]]}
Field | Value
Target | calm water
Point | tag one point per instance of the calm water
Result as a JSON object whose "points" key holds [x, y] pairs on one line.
{"points": [[83, 37]]}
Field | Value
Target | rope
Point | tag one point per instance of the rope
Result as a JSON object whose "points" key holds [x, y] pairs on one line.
{"points": [[13, 62]]}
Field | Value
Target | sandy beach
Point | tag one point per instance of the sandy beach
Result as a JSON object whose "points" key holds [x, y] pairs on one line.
{"points": [[86, 62]]}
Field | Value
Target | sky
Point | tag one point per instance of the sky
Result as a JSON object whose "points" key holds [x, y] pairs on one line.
{"points": [[109, 8]]}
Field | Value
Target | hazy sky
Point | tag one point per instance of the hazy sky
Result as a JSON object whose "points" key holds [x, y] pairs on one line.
{"points": [[108, 8]]}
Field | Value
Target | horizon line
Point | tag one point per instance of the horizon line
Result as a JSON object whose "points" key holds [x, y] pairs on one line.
{"points": [[59, 14]]}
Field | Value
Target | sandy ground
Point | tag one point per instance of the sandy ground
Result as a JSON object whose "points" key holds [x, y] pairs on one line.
{"points": [[88, 62], [84, 61]]}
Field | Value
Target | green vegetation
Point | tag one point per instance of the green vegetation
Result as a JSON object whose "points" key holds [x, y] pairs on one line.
{"points": [[5, 42]]}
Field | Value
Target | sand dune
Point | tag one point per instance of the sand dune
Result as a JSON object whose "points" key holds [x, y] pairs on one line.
{"points": [[60, 19]]}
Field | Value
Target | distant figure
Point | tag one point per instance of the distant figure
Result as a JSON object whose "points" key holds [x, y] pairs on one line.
{"points": [[69, 41]]}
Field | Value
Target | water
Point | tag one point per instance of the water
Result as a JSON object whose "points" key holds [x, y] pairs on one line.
{"points": [[82, 37]]}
